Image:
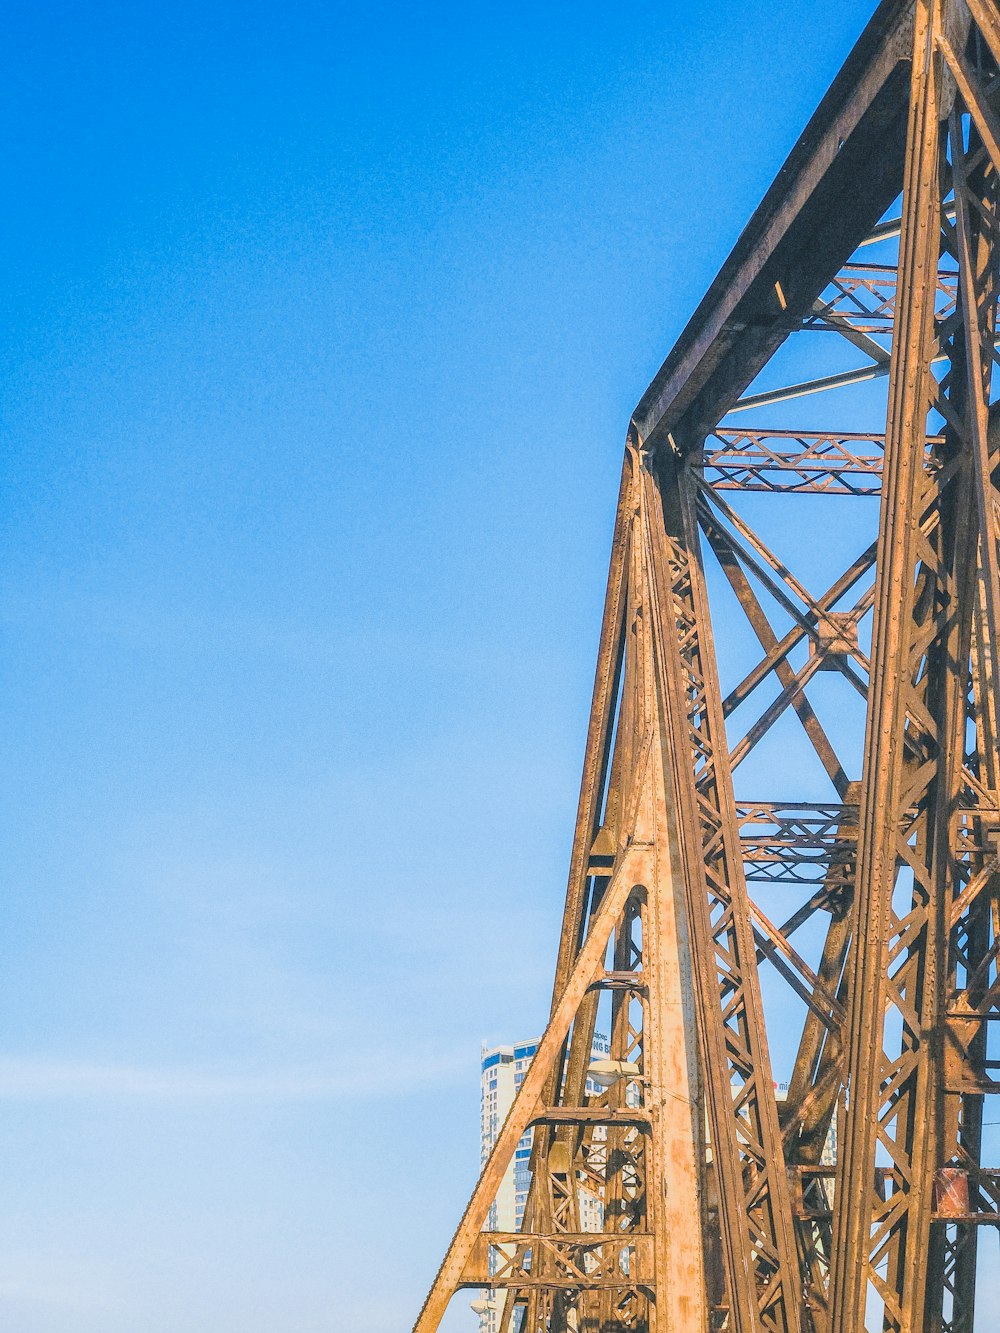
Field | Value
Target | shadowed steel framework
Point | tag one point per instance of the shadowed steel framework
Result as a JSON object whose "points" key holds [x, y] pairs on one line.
{"points": [[788, 839]]}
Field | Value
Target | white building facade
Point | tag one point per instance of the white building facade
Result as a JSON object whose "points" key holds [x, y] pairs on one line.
{"points": [[502, 1071]]}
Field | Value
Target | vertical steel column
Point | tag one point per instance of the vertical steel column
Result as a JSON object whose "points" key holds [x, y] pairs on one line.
{"points": [[877, 1243], [757, 1233]]}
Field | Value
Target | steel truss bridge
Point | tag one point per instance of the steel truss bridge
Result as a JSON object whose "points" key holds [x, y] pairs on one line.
{"points": [[834, 396]]}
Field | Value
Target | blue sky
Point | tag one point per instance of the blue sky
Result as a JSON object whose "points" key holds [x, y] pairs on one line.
{"points": [[323, 325]]}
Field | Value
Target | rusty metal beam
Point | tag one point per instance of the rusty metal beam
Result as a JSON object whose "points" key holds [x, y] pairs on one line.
{"points": [[681, 1195], [838, 181]]}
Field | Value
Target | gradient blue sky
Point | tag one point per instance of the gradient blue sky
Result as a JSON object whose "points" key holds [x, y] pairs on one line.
{"points": [[323, 325]]}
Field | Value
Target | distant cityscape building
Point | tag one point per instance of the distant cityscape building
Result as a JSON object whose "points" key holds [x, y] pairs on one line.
{"points": [[502, 1071], [828, 1156]]}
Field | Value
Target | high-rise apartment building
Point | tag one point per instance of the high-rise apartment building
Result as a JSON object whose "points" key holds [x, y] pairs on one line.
{"points": [[828, 1156], [502, 1072]]}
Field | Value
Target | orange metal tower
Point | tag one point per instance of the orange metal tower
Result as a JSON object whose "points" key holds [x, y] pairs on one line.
{"points": [[847, 917]]}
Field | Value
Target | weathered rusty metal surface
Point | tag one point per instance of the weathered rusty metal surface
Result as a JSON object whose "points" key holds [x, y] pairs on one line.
{"points": [[728, 905]]}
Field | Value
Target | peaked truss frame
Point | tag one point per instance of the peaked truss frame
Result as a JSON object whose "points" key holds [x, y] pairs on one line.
{"points": [[721, 1206]]}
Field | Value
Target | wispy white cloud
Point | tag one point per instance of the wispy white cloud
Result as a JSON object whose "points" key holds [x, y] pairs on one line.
{"points": [[358, 1077], [57, 1296], [64, 1283]]}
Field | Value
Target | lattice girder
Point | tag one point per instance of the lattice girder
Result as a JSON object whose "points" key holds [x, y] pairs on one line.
{"points": [[787, 849]]}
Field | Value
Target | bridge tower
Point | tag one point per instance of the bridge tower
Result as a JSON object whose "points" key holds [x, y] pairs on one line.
{"points": [[787, 849]]}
